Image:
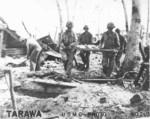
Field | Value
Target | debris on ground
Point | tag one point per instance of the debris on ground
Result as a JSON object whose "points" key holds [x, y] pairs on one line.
{"points": [[58, 101]]}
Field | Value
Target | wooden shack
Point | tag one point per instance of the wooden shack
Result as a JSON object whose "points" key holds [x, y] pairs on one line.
{"points": [[10, 43]]}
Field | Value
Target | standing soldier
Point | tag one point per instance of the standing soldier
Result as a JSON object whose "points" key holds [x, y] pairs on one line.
{"points": [[85, 39], [109, 41], [122, 48], [67, 48]]}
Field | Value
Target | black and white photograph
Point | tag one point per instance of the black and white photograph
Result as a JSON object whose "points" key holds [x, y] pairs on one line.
{"points": [[74, 59]]}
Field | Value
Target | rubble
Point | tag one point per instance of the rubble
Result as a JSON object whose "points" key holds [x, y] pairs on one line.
{"points": [[86, 97]]}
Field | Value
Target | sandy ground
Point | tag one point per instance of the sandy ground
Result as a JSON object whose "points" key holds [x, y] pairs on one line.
{"points": [[82, 100]]}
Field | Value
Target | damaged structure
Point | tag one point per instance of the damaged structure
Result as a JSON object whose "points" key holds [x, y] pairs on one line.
{"points": [[10, 43]]}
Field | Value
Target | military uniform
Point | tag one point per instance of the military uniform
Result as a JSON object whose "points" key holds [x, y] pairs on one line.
{"points": [[34, 51], [109, 41], [121, 49], [67, 50], [145, 65], [85, 39]]}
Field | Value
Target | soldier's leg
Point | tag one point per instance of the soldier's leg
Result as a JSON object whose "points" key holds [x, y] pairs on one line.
{"points": [[38, 62], [118, 59], [69, 63], [64, 59], [82, 55], [87, 57], [31, 66], [111, 64], [139, 75], [33, 60], [105, 63], [145, 85]]}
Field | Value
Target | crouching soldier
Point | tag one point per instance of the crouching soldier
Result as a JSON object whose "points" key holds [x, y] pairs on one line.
{"points": [[85, 39], [144, 69], [67, 48], [109, 41], [122, 48], [34, 51]]}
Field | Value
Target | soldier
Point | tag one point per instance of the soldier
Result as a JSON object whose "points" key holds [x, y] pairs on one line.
{"points": [[109, 41], [122, 48], [85, 39], [67, 48], [144, 66], [34, 51]]}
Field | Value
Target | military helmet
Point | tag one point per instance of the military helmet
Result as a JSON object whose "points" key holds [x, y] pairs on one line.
{"points": [[117, 30], [85, 27], [69, 24], [110, 25]]}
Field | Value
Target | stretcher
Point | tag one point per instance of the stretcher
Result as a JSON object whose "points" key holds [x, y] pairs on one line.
{"points": [[94, 48]]}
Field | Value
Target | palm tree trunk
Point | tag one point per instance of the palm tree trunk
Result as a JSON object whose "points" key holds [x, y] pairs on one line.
{"points": [[133, 55], [126, 16], [67, 9], [60, 21], [60, 14], [147, 30]]}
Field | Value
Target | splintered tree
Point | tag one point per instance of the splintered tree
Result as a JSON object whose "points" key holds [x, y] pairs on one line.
{"points": [[3, 21], [60, 21], [125, 14], [131, 61]]}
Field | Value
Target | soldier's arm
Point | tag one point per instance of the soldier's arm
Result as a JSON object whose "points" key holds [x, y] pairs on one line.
{"points": [[117, 41], [79, 39], [91, 37], [102, 41], [125, 44], [75, 42], [97, 43]]}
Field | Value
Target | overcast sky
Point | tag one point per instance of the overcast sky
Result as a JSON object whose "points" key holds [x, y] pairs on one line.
{"points": [[41, 16]]}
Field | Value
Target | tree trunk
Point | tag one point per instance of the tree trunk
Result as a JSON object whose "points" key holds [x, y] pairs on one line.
{"points": [[3, 21], [126, 16], [131, 61], [147, 30], [60, 21], [24, 26], [75, 8], [67, 9], [60, 15]]}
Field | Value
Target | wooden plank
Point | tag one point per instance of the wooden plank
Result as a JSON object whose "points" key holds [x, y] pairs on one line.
{"points": [[52, 82], [8, 72], [99, 80]]}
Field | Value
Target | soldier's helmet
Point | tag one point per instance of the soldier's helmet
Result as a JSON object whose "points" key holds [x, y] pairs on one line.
{"points": [[117, 30], [110, 25], [85, 27], [69, 24]]}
